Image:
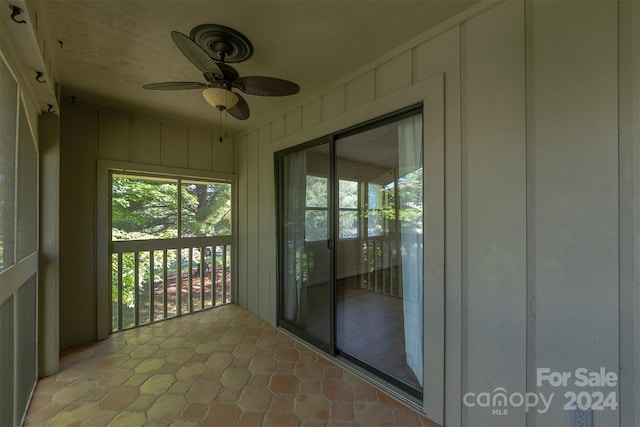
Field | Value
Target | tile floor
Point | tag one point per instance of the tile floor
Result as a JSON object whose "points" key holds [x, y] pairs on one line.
{"points": [[221, 367]]}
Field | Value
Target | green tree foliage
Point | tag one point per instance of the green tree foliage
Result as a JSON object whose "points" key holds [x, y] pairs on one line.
{"points": [[206, 209], [143, 208], [410, 196], [316, 199]]}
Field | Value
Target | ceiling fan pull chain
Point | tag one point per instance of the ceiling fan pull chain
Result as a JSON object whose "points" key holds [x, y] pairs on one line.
{"points": [[220, 125]]}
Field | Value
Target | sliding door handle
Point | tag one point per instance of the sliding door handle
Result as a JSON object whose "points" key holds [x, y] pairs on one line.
{"points": [[329, 244]]}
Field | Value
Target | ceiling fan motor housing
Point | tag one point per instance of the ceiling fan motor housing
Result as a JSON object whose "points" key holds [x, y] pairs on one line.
{"points": [[222, 43]]}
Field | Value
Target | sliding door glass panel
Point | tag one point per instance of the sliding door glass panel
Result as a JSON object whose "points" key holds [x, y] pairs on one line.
{"points": [[304, 242], [379, 251]]}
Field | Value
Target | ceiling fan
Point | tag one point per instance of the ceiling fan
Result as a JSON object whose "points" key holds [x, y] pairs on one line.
{"points": [[211, 48]]}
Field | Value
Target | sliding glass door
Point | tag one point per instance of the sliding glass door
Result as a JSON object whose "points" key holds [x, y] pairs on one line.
{"points": [[351, 247]]}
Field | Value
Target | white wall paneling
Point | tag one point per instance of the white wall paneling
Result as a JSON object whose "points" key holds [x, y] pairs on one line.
{"points": [[78, 154], [311, 114], [49, 261], [629, 159], [293, 122], [266, 228], [173, 146], [145, 144], [434, 247], [199, 149], [113, 136], [277, 128], [243, 212], [493, 209], [394, 75], [333, 103], [253, 194], [572, 236], [360, 90]]}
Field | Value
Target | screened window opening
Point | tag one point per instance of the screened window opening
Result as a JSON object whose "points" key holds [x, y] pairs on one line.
{"points": [[171, 247]]}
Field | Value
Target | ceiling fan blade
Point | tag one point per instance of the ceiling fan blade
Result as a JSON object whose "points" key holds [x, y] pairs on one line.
{"points": [[174, 86], [196, 54], [241, 110], [266, 86]]}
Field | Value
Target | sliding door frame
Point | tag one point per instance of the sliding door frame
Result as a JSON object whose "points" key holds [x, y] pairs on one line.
{"points": [[431, 92]]}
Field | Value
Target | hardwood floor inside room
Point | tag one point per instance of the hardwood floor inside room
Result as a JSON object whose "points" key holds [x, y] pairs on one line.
{"points": [[369, 325]]}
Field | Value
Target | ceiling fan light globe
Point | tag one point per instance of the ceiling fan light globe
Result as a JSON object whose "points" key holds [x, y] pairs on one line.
{"points": [[220, 98]]}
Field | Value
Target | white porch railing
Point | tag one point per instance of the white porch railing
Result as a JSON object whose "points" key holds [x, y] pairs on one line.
{"points": [[154, 280]]}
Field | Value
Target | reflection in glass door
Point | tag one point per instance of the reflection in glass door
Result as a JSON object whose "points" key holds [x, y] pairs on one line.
{"points": [[379, 251], [305, 244]]}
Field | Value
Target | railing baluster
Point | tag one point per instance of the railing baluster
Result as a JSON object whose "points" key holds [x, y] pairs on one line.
{"points": [[178, 281], [203, 265], [136, 288], [374, 262], [165, 279], [190, 293], [152, 287], [212, 270], [392, 273], [119, 309], [387, 269], [368, 273], [224, 274]]}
